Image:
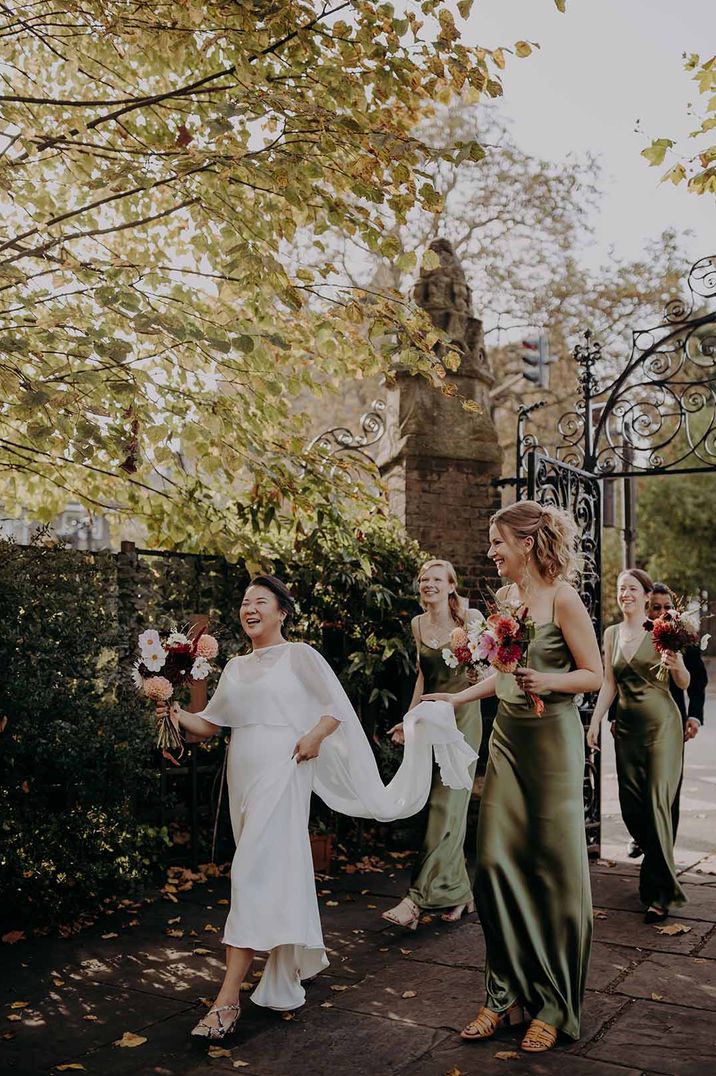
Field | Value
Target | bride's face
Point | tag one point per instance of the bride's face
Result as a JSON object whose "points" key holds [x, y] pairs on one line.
{"points": [[260, 613]]}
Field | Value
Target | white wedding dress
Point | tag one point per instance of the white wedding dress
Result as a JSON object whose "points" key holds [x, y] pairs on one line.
{"points": [[269, 699]]}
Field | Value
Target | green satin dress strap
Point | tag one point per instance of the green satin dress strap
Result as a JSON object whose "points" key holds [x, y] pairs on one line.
{"points": [[440, 877], [649, 746], [532, 883]]}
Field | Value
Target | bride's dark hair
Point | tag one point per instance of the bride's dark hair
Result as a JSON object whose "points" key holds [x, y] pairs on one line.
{"points": [[280, 591]]}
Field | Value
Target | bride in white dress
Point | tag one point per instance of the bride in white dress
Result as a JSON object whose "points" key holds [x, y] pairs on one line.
{"points": [[294, 731]]}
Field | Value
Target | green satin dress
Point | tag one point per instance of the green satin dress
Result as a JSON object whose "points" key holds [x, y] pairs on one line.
{"points": [[440, 878], [532, 885], [649, 744]]}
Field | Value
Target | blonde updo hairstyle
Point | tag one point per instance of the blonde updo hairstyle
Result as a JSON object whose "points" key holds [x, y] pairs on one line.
{"points": [[456, 604], [554, 533]]}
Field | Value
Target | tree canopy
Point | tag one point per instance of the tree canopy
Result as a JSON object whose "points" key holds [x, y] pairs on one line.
{"points": [[156, 164]]}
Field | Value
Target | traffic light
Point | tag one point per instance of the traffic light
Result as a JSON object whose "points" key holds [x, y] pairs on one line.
{"points": [[535, 360]]}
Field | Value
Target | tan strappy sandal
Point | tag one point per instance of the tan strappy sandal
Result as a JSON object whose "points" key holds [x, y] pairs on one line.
{"points": [[409, 921], [487, 1022], [456, 913], [539, 1038]]}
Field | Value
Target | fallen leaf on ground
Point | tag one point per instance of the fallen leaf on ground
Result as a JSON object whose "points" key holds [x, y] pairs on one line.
{"points": [[657, 997], [371, 906], [106, 937], [225, 901], [256, 974], [246, 987], [409, 994], [59, 982], [211, 928], [239, 1064], [19, 1004], [176, 919], [202, 952], [13, 936], [598, 914], [218, 1051], [326, 1004], [288, 1016], [338, 989], [14, 1016], [507, 1055], [331, 903], [674, 928], [72, 1066], [406, 952], [174, 932], [89, 1017], [129, 1039], [455, 1072], [8, 1035], [384, 949]]}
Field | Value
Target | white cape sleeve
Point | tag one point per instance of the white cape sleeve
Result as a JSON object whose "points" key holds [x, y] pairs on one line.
{"points": [[222, 707], [346, 773]]}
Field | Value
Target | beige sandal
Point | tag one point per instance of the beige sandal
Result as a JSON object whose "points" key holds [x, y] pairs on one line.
{"points": [[487, 1022], [393, 916], [539, 1038], [456, 913]]}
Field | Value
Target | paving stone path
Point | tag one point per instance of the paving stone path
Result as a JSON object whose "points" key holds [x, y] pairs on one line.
{"points": [[389, 1005]]}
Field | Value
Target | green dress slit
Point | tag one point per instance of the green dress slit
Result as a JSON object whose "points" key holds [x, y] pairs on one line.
{"points": [[532, 884], [440, 878], [649, 744]]}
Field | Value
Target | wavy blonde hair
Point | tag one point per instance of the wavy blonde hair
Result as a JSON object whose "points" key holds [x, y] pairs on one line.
{"points": [[554, 532], [456, 603]]}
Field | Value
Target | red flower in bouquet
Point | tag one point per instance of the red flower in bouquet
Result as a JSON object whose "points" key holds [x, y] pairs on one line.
{"points": [[673, 633]]}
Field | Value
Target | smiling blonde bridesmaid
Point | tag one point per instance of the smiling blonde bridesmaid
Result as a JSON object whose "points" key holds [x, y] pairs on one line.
{"points": [[532, 883], [440, 881]]}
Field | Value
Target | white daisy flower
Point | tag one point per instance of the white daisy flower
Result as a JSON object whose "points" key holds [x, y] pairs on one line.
{"points": [[449, 658], [149, 639], [154, 659], [137, 678], [178, 638], [200, 669]]}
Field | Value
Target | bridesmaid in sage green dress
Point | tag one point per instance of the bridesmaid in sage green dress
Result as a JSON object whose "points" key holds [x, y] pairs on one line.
{"points": [[440, 881], [532, 884], [648, 736]]}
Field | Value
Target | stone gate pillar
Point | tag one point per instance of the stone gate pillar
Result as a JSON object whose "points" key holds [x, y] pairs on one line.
{"points": [[438, 459]]}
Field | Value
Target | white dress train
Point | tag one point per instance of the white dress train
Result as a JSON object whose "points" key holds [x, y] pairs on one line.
{"points": [[269, 699]]}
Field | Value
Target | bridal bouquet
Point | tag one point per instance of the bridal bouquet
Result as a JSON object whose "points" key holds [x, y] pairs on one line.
{"points": [[501, 643], [675, 631], [165, 664]]}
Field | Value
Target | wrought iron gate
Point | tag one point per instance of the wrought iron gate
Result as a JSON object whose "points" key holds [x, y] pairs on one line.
{"points": [[552, 482]]}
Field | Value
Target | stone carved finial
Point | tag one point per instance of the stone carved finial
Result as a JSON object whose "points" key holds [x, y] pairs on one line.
{"points": [[446, 296]]}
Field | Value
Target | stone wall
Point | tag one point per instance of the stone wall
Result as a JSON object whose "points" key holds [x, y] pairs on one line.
{"points": [[439, 460]]}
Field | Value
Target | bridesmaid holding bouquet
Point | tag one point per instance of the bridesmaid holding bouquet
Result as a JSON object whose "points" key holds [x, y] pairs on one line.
{"points": [[532, 884], [648, 740], [440, 880]]}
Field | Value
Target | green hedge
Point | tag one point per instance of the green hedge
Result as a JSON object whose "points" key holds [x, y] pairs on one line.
{"points": [[76, 763]]}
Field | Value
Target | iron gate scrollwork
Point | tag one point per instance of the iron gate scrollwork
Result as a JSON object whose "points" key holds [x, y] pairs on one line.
{"points": [[552, 482]]}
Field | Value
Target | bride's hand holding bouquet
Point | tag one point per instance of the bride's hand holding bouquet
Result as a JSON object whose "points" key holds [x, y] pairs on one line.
{"points": [[178, 661]]}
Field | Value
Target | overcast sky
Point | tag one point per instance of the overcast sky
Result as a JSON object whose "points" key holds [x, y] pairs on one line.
{"points": [[602, 66]]}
